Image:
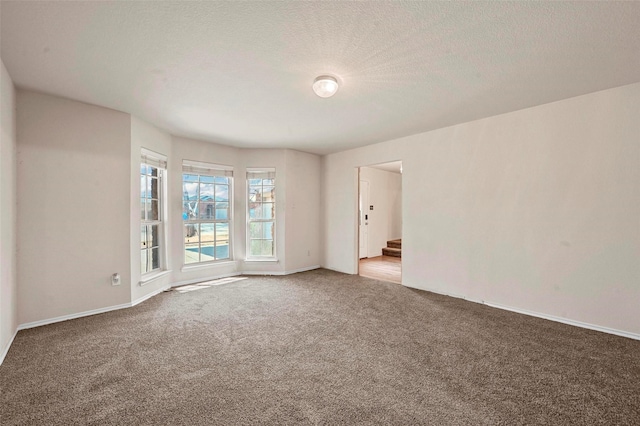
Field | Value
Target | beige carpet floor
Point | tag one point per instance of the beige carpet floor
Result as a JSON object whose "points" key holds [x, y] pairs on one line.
{"points": [[318, 347]]}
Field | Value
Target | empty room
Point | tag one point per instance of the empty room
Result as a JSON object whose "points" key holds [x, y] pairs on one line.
{"points": [[377, 212]]}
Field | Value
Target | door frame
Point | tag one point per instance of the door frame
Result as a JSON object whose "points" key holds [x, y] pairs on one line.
{"points": [[356, 205], [362, 211]]}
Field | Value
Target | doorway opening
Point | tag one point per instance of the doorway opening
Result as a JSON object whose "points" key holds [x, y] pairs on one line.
{"points": [[380, 221]]}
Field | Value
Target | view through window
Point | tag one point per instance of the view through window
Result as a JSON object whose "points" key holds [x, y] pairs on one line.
{"points": [[261, 221], [151, 181], [206, 212]]}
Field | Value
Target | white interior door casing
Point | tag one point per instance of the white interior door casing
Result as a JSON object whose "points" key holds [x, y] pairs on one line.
{"points": [[363, 207]]}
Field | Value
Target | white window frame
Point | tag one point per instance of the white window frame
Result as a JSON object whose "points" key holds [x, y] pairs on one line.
{"points": [[212, 171], [159, 162], [261, 173]]}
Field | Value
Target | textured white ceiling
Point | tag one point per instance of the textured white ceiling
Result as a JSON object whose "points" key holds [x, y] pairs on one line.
{"points": [[240, 73]]}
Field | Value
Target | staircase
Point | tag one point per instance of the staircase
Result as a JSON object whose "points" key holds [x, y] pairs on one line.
{"points": [[393, 248]]}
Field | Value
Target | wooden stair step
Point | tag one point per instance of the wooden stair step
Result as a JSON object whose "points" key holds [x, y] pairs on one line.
{"points": [[390, 251], [395, 244]]}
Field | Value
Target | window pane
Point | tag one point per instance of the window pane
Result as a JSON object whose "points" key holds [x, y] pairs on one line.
{"points": [[155, 258], [255, 246], [154, 187], [207, 232], [222, 192], [191, 233], [144, 262], [143, 187], [150, 210], [268, 230], [222, 231], [255, 230], [261, 248], [154, 213], [255, 210], [268, 193], [148, 187], [190, 210], [206, 192], [207, 210], [143, 237], [222, 249], [189, 191], [143, 209], [207, 251], [205, 199], [261, 208], [222, 211], [258, 193], [191, 253], [268, 210], [152, 236], [267, 248], [222, 214]]}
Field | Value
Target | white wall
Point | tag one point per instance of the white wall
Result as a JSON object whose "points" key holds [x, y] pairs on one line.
{"points": [[74, 180], [385, 220], [302, 240], [144, 135], [8, 282], [537, 210]]}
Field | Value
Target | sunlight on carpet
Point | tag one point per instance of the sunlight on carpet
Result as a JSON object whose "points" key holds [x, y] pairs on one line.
{"points": [[207, 284]]}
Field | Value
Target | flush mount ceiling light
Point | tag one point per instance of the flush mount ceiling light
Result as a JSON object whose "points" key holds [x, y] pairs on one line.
{"points": [[325, 86]]}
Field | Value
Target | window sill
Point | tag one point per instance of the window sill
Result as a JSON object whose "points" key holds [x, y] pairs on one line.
{"points": [[152, 277], [266, 259], [196, 266]]}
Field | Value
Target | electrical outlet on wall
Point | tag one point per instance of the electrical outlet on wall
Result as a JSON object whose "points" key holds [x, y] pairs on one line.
{"points": [[115, 279]]}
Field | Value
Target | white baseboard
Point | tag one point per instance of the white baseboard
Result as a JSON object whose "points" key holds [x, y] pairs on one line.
{"points": [[91, 312], [567, 321], [135, 302], [203, 279], [72, 316], [457, 296], [305, 269], [292, 271], [147, 296], [5, 351], [150, 295], [262, 273]]}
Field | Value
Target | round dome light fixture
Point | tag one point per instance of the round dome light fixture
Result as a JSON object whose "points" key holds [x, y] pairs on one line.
{"points": [[325, 86]]}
